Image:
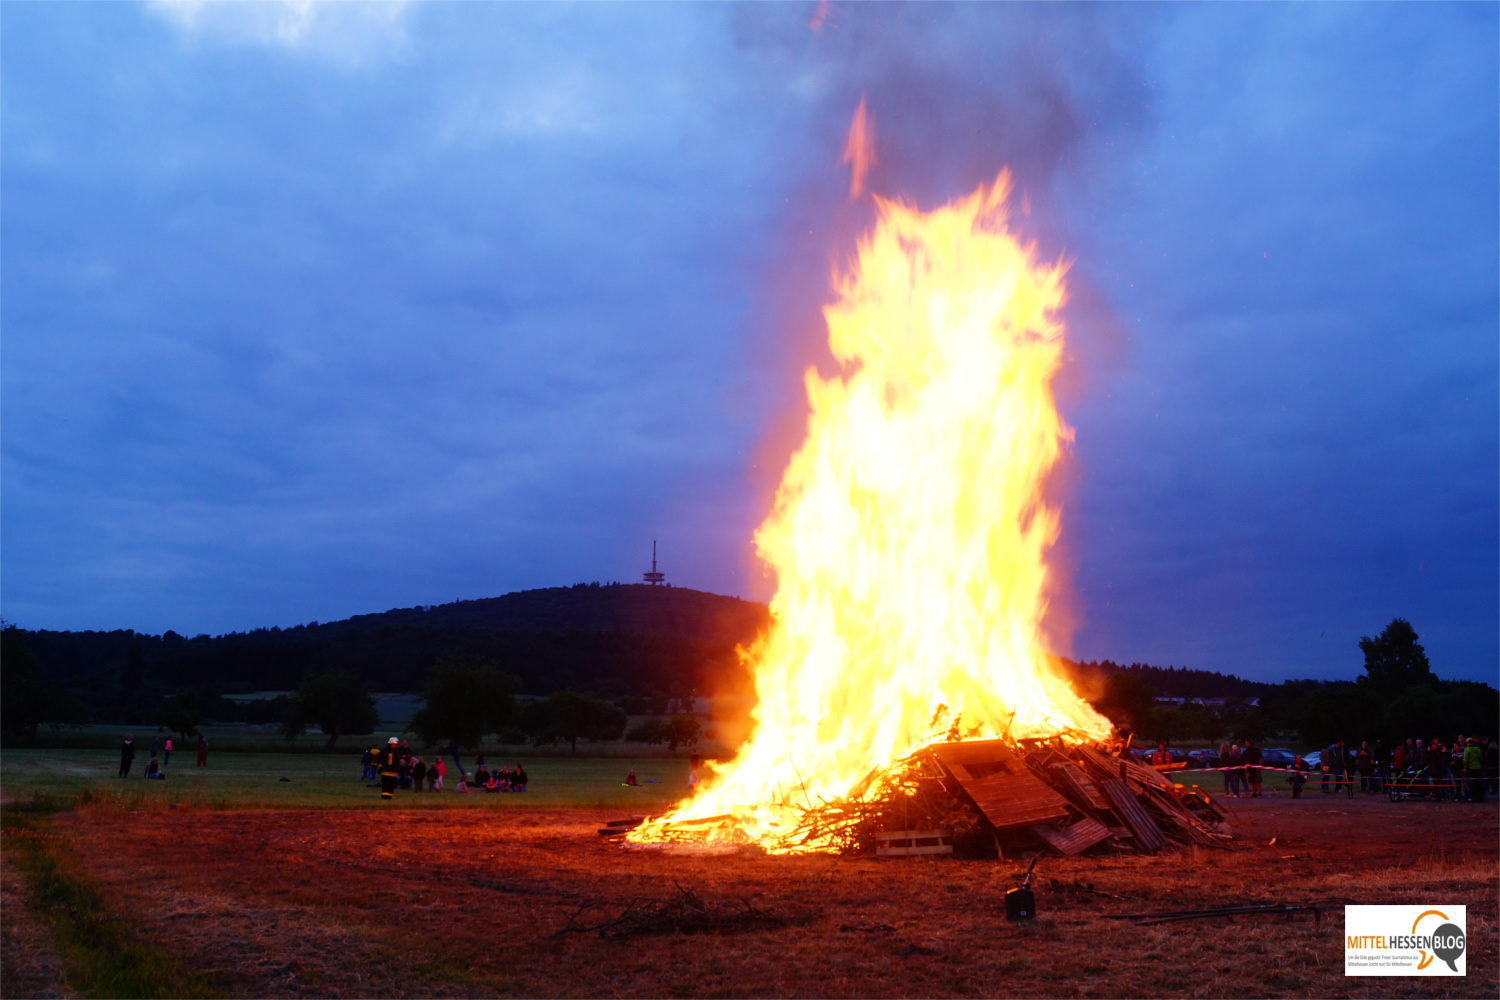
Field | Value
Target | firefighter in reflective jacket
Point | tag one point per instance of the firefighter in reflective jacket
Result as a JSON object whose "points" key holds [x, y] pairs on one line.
{"points": [[389, 765]]}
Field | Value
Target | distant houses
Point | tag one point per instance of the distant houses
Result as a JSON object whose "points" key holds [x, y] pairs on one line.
{"points": [[1209, 702]]}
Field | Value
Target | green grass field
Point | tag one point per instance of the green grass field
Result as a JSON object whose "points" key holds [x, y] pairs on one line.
{"points": [[241, 780]]}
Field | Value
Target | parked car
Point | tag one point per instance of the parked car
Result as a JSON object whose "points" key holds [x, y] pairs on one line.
{"points": [[1277, 757], [1313, 760], [1203, 758]]}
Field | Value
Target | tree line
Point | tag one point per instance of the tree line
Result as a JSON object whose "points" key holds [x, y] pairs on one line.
{"points": [[545, 687], [467, 701], [1398, 696]]}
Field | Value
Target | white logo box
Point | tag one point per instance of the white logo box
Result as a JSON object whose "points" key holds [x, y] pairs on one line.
{"points": [[1426, 940]]}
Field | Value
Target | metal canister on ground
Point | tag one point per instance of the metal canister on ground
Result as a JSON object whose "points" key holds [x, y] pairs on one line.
{"points": [[1020, 902]]}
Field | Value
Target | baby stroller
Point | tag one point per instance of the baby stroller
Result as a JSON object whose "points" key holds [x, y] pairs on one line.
{"points": [[1411, 783]]}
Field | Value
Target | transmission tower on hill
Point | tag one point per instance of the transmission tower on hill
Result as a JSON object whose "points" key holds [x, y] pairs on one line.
{"points": [[654, 577]]}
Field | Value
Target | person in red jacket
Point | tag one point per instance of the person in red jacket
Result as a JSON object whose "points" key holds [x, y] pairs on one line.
{"points": [[202, 751]]}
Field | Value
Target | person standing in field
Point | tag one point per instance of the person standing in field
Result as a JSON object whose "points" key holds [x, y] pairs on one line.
{"points": [[1298, 777], [439, 772], [153, 746], [390, 769], [418, 774], [1234, 783], [202, 751], [1474, 770], [1250, 757], [127, 755], [1364, 763], [1224, 762], [166, 750]]}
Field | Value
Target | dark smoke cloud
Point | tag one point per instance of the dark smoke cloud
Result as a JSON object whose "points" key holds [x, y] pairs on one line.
{"points": [[957, 92]]}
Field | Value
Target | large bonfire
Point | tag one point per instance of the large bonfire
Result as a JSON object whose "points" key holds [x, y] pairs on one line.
{"points": [[910, 534]]}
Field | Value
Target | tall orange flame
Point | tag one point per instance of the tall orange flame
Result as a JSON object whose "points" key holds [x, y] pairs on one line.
{"points": [[909, 535], [859, 150]]}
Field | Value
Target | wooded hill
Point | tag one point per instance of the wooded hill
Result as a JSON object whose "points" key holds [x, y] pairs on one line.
{"points": [[613, 639], [640, 646]]}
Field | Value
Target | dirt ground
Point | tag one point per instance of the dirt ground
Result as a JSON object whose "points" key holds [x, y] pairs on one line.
{"points": [[376, 904]]}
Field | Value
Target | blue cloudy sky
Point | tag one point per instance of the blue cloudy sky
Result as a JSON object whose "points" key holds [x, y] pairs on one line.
{"points": [[313, 311]]}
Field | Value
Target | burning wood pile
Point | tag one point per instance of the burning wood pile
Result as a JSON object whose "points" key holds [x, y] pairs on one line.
{"points": [[1019, 796], [1005, 796]]}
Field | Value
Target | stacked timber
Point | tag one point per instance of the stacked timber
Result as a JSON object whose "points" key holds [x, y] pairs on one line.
{"points": [[1076, 798], [1012, 796]]}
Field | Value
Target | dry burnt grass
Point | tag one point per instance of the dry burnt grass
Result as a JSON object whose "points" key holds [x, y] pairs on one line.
{"points": [[391, 903]]}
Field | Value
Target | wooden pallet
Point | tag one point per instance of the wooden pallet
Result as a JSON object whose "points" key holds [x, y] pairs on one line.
{"points": [[1000, 784], [1129, 809], [907, 843], [1073, 839], [1081, 785]]}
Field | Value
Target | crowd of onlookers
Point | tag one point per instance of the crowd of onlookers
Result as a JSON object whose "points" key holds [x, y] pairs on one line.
{"points": [[412, 772], [1462, 770]]}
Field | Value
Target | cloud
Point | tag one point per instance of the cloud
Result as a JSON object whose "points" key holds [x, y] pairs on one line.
{"points": [[535, 284], [351, 31]]}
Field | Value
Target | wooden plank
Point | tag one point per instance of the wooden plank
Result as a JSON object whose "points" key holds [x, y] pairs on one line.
{"points": [[1147, 833], [1082, 786], [914, 835], [911, 843], [1174, 820], [1145, 774], [1000, 784], [1100, 766], [979, 758], [1074, 839]]}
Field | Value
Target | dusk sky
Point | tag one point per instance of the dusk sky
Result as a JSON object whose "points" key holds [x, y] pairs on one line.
{"points": [[317, 311]]}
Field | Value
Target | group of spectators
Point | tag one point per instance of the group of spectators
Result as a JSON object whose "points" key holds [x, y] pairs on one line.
{"points": [[154, 767], [504, 780], [1463, 770], [412, 771], [1243, 777]]}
